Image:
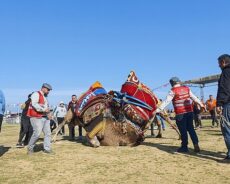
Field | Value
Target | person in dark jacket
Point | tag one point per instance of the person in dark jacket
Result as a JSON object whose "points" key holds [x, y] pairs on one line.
{"points": [[72, 105], [26, 129], [197, 115], [223, 100]]}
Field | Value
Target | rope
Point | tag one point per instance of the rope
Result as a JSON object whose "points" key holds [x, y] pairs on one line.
{"points": [[162, 86]]}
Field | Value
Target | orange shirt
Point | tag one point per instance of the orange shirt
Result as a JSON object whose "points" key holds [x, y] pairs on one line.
{"points": [[211, 104]]}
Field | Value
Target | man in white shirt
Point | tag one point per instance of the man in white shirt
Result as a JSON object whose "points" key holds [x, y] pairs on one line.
{"points": [[39, 114], [60, 113], [181, 97]]}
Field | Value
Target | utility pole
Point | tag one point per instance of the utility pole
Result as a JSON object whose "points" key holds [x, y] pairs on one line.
{"points": [[202, 91]]}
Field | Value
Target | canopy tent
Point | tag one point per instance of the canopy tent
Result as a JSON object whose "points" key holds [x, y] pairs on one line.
{"points": [[201, 82]]}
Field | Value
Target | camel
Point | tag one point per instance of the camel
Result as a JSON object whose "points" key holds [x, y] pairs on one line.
{"points": [[114, 118]]}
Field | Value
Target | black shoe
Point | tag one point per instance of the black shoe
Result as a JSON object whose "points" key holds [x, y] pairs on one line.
{"points": [[196, 148], [79, 138], [159, 136], [182, 150], [20, 145], [226, 160]]}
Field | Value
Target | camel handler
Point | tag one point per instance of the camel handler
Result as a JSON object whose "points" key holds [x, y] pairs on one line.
{"points": [[40, 116], [180, 96]]}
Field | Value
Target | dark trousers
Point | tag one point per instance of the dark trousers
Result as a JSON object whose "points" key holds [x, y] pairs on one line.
{"points": [[225, 126], [197, 119], [72, 130], [214, 117], [185, 124], [60, 120], [1, 119], [26, 130], [53, 125]]}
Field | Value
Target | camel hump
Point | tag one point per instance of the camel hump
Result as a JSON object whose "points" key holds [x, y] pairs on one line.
{"points": [[94, 95], [133, 87]]}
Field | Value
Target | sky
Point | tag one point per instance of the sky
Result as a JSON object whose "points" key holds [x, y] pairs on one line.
{"points": [[73, 43]]}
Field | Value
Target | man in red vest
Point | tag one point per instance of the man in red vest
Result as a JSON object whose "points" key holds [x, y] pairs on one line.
{"points": [[181, 97], [39, 114]]}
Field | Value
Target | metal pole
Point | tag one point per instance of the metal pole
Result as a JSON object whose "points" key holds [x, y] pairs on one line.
{"points": [[202, 91]]}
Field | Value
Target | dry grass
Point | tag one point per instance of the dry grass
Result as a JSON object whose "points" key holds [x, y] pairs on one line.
{"points": [[155, 161]]}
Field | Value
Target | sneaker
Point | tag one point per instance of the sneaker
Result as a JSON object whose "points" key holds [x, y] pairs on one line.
{"points": [[196, 148], [48, 151], [19, 145], [79, 138], [182, 150]]}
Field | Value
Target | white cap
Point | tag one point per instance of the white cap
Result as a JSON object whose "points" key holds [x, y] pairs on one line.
{"points": [[61, 102]]}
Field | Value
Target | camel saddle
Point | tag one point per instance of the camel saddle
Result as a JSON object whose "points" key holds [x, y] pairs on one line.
{"points": [[133, 87]]}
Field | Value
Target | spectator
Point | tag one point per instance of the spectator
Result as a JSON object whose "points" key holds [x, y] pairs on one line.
{"points": [[223, 100], [59, 114], [197, 115], [2, 108], [160, 118], [40, 116], [53, 124], [180, 95], [72, 105], [26, 130], [211, 107]]}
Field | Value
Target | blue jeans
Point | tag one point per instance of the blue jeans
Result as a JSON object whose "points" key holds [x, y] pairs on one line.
{"points": [[162, 121], [40, 125], [225, 128], [185, 124]]}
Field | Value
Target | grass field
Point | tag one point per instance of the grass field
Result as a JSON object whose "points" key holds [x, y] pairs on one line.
{"points": [[155, 161]]}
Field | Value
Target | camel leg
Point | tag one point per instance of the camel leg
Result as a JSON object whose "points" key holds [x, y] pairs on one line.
{"points": [[94, 142]]}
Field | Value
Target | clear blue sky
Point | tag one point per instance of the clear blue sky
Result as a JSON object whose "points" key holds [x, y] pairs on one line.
{"points": [[72, 43]]}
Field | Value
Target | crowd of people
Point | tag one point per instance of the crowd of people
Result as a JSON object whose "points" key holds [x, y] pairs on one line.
{"points": [[37, 117]]}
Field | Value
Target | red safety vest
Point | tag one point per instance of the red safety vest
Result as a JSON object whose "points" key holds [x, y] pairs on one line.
{"points": [[32, 112], [181, 101]]}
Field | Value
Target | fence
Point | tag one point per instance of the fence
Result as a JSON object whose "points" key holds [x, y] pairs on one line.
{"points": [[12, 119]]}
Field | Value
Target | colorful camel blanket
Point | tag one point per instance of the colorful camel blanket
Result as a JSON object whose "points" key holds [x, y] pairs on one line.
{"points": [[94, 94], [135, 88]]}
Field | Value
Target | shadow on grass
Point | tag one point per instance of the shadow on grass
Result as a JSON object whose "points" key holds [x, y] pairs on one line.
{"points": [[204, 154], [67, 138], [154, 137], [3, 150], [213, 132]]}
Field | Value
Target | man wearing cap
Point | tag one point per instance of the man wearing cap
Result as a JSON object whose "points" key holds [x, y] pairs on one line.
{"points": [[223, 101], [60, 113], [38, 112], [180, 96]]}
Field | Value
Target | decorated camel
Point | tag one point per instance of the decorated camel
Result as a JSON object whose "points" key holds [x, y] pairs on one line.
{"points": [[114, 118]]}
